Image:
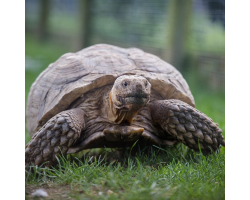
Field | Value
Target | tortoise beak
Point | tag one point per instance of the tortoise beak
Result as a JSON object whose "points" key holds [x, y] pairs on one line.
{"points": [[137, 98]]}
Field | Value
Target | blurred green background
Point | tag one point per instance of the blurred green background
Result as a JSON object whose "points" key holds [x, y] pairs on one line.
{"points": [[188, 34]]}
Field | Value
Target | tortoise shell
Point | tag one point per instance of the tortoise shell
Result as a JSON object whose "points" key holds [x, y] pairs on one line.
{"points": [[74, 74]]}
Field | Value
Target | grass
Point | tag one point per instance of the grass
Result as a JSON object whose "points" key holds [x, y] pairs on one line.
{"points": [[149, 173], [139, 177]]}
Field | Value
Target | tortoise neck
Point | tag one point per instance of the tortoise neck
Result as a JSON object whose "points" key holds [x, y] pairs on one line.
{"points": [[121, 114]]}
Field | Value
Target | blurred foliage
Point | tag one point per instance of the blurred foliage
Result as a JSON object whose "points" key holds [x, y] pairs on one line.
{"points": [[209, 39], [136, 24]]}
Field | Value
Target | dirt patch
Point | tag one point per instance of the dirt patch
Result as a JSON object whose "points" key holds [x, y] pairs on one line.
{"points": [[54, 191]]}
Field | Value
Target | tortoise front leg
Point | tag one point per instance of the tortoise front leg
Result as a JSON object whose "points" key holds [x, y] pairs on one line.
{"points": [[54, 138], [187, 124]]}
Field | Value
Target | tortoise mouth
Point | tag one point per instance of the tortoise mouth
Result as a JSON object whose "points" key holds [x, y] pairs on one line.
{"points": [[140, 99], [137, 95]]}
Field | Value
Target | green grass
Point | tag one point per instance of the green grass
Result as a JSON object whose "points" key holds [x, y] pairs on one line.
{"points": [[151, 173], [155, 174]]}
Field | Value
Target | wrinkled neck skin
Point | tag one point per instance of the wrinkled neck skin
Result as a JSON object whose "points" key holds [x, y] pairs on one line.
{"points": [[127, 96], [121, 113]]}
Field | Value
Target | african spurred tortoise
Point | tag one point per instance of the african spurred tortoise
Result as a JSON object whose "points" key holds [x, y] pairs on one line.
{"points": [[106, 96]]}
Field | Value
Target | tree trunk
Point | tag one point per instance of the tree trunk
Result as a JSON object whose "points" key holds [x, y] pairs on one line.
{"points": [[43, 20], [179, 15], [85, 17]]}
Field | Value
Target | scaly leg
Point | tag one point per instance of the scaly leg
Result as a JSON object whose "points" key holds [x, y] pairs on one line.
{"points": [[187, 124], [54, 138]]}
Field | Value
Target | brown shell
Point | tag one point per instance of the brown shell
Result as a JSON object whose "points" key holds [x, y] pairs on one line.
{"points": [[74, 74]]}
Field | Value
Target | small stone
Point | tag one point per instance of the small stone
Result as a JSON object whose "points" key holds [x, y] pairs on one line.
{"points": [[40, 193], [109, 192]]}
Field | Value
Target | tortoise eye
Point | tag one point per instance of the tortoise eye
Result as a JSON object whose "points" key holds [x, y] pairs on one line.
{"points": [[125, 83], [146, 84]]}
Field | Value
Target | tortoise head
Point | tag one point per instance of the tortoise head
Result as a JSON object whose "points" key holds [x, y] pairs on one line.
{"points": [[129, 93]]}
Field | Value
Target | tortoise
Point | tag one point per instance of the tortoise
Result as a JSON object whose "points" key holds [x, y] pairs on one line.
{"points": [[107, 96]]}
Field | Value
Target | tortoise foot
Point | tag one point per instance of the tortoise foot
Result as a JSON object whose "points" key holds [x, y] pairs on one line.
{"points": [[187, 124], [54, 138]]}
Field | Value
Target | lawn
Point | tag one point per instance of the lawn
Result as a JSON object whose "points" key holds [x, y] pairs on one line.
{"points": [[137, 173]]}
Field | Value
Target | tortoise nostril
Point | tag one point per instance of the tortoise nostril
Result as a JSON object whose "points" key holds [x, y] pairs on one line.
{"points": [[138, 86]]}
